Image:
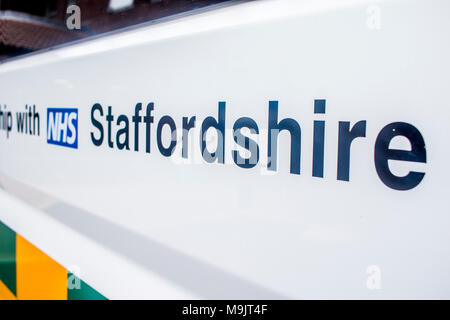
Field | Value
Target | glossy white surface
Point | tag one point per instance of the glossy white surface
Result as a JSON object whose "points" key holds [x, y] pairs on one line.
{"points": [[281, 235]]}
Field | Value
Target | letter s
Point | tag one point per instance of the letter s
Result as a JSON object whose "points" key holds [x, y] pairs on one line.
{"points": [[97, 124], [73, 131]]}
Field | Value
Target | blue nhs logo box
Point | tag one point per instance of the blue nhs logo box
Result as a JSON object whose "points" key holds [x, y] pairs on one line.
{"points": [[62, 127]]}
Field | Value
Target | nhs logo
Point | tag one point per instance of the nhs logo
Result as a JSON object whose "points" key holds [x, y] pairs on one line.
{"points": [[62, 127]]}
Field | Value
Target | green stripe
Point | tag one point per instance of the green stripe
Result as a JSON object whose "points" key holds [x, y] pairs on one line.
{"points": [[8, 257], [77, 289]]}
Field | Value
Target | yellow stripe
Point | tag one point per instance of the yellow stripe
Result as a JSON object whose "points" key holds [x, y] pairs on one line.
{"points": [[39, 277], [5, 293]]}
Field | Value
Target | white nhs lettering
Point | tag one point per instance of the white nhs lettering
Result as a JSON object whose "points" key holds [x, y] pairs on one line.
{"points": [[61, 123], [62, 127]]}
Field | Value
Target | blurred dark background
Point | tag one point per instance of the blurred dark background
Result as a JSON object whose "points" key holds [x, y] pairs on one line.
{"points": [[29, 25]]}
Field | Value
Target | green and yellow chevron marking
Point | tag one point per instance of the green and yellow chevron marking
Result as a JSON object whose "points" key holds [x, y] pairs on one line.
{"points": [[27, 273]]}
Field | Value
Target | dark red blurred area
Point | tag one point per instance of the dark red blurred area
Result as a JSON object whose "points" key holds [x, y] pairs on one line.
{"points": [[26, 26]]}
